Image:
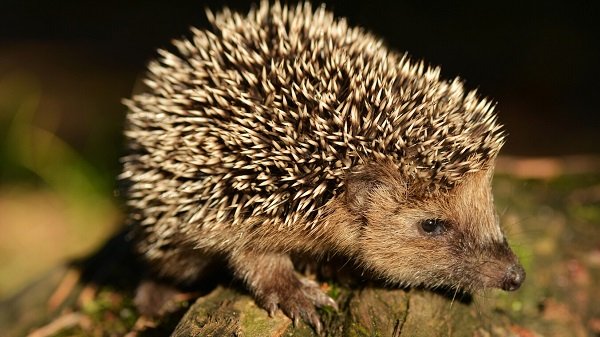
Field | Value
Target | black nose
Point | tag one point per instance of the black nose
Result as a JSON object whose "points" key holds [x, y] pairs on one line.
{"points": [[515, 275]]}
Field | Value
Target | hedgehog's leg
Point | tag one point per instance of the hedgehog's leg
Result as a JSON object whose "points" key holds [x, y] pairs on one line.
{"points": [[274, 283], [175, 270], [155, 299]]}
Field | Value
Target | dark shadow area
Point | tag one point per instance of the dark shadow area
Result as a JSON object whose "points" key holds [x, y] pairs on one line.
{"points": [[114, 265]]}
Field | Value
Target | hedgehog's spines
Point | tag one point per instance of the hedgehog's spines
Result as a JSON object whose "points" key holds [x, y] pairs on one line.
{"points": [[266, 114]]}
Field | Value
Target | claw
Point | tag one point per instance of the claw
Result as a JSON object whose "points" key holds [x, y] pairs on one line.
{"points": [[317, 296], [271, 308], [331, 302], [316, 322]]}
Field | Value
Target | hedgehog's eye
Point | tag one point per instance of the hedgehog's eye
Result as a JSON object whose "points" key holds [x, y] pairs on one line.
{"points": [[433, 226]]}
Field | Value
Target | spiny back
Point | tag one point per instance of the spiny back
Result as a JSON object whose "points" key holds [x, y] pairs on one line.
{"points": [[263, 115]]}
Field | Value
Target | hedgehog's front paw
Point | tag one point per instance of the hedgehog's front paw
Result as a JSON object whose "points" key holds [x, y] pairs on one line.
{"points": [[297, 298], [275, 284]]}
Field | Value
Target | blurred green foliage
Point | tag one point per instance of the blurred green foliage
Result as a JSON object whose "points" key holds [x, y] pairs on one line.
{"points": [[54, 204], [33, 154]]}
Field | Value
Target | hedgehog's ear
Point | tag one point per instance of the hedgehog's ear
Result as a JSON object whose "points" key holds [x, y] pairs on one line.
{"points": [[359, 188], [380, 179]]}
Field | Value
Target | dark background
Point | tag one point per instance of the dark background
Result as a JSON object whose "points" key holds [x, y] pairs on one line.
{"points": [[539, 60]]}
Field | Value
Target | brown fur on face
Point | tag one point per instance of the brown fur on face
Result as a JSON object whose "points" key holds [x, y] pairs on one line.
{"points": [[469, 253]]}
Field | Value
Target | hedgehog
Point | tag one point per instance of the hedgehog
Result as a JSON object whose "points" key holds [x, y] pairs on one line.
{"points": [[287, 132]]}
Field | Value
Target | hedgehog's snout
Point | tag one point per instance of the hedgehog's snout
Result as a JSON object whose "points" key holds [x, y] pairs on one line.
{"points": [[514, 277]]}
